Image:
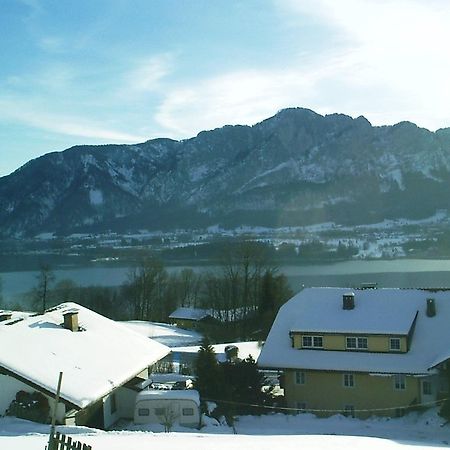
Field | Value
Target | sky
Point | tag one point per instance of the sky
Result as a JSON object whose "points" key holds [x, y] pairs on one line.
{"points": [[125, 71]]}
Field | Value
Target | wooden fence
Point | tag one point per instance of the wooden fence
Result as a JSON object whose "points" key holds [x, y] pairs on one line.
{"points": [[60, 441]]}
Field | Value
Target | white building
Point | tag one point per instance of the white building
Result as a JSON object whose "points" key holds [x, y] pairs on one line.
{"points": [[102, 361]]}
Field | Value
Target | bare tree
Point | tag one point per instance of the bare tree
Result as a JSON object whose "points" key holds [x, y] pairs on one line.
{"points": [[45, 278], [146, 287], [1, 292], [168, 417]]}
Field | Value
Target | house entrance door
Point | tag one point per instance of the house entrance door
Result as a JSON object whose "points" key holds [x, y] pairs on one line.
{"points": [[428, 390]]}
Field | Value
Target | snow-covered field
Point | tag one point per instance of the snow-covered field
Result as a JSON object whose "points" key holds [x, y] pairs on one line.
{"points": [[415, 431], [164, 333]]}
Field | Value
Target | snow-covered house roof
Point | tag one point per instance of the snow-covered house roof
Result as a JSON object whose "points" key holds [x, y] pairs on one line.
{"points": [[376, 311], [194, 314], [95, 360]]}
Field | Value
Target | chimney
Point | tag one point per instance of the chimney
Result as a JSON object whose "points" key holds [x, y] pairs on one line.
{"points": [[348, 301], [431, 307], [71, 320], [5, 315], [231, 353]]}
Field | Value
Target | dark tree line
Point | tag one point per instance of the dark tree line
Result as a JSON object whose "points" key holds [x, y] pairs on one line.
{"points": [[236, 387], [244, 293]]}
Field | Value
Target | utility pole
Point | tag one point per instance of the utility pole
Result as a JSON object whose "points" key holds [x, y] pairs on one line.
{"points": [[52, 428]]}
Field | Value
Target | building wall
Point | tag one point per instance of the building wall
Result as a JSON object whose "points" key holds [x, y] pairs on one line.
{"points": [[375, 343], [174, 408], [326, 391], [9, 387], [126, 400]]}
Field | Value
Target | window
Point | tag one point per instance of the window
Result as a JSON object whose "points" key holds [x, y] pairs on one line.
{"points": [[427, 388], [312, 342], [356, 343], [317, 341], [394, 344], [160, 411], [348, 380], [349, 411], [143, 412], [188, 411], [299, 377], [399, 382], [112, 403]]}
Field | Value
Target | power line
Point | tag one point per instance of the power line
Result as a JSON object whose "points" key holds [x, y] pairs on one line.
{"points": [[285, 408]]}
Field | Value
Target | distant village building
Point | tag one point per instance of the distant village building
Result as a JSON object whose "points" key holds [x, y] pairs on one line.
{"points": [[190, 318], [363, 352], [184, 358], [103, 363]]}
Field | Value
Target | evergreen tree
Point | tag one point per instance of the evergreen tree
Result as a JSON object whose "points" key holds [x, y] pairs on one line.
{"points": [[207, 370]]}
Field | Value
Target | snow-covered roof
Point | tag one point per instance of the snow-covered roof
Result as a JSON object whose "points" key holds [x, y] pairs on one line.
{"points": [[245, 349], [182, 394], [190, 314], [95, 360], [377, 311]]}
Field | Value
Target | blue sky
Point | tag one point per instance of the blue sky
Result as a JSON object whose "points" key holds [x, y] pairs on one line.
{"points": [[103, 71]]}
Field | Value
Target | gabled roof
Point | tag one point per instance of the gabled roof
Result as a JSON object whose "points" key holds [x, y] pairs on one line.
{"points": [[377, 311], [195, 314], [94, 361], [374, 313]]}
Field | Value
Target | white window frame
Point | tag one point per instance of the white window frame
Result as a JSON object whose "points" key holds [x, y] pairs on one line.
{"points": [[314, 341], [300, 377], [348, 380], [399, 382], [393, 348], [361, 342]]}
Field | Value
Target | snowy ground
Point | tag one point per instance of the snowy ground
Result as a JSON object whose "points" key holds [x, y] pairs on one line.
{"points": [[415, 431], [164, 333]]}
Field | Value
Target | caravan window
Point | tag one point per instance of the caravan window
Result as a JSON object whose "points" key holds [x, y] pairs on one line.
{"points": [[188, 411], [143, 412]]}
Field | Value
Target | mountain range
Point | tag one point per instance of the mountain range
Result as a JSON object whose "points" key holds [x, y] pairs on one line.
{"points": [[295, 168]]}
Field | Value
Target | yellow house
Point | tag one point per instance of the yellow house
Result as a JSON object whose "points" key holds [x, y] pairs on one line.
{"points": [[363, 352]]}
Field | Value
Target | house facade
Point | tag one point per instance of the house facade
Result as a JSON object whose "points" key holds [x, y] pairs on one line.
{"points": [[103, 363], [361, 353]]}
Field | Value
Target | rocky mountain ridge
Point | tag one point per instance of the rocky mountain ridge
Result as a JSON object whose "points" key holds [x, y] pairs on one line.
{"points": [[295, 168]]}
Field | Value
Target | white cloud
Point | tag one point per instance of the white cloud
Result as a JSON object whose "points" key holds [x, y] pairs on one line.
{"points": [[387, 60], [148, 73], [52, 44], [65, 124], [397, 46]]}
